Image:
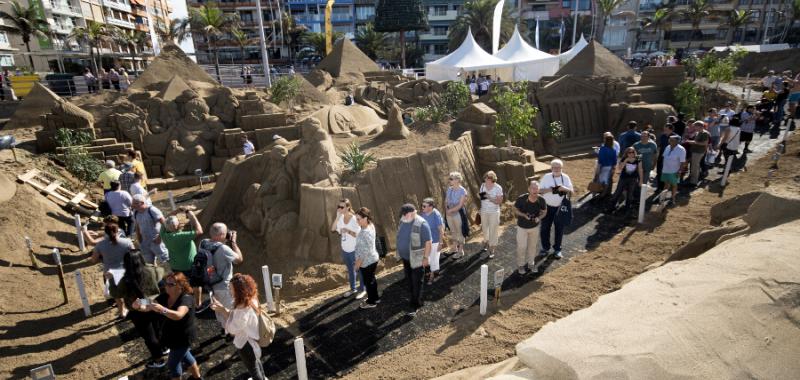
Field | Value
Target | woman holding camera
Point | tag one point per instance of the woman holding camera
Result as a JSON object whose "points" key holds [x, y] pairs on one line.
{"points": [[630, 175], [555, 186], [140, 285], [242, 322], [179, 329], [491, 195]]}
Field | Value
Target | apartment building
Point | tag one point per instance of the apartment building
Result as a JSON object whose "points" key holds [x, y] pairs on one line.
{"points": [[57, 53], [441, 14], [550, 13]]}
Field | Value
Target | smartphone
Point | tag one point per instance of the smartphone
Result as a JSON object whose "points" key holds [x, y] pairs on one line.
{"points": [[144, 301]]}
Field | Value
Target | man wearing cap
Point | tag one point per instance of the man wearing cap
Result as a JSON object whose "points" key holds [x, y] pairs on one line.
{"points": [[120, 203], [149, 220], [110, 174], [674, 164], [414, 247]]}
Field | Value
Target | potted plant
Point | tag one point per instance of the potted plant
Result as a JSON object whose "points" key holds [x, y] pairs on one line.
{"points": [[553, 133]]}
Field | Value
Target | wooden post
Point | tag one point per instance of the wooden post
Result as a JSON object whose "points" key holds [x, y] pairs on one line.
{"points": [[79, 233], [642, 201], [82, 291], [268, 287], [29, 244], [300, 358], [57, 259], [484, 287]]}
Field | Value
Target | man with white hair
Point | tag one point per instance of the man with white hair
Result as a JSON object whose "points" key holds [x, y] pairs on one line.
{"points": [[414, 247], [555, 186], [107, 176], [181, 247], [220, 267], [148, 220]]}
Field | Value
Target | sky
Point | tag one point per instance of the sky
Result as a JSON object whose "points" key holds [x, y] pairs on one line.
{"points": [[179, 11]]}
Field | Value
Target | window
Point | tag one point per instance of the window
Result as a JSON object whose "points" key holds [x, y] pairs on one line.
{"points": [[439, 30], [438, 10], [6, 60], [440, 49], [614, 37], [3, 38], [583, 5], [365, 12]]}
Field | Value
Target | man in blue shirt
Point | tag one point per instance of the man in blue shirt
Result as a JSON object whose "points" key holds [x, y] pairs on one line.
{"points": [[630, 137], [414, 247]]}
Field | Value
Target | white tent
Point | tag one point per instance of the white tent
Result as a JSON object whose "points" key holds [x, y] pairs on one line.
{"points": [[571, 53], [468, 57], [528, 62]]}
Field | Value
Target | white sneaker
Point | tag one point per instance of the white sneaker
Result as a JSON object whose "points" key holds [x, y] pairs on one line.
{"points": [[361, 295], [348, 294], [521, 270]]}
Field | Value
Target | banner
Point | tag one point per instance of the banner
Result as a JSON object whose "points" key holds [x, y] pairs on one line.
{"points": [[328, 27], [498, 19]]}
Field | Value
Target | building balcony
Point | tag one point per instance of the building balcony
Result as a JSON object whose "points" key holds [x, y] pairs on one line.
{"points": [[428, 57], [65, 8], [443, 16], [432, 37], [118, 6], [142, 27], [533, 15], [60, 28], [120, 23]]}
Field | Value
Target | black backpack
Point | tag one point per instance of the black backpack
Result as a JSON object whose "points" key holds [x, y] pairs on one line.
{"points": [[203, 273]]}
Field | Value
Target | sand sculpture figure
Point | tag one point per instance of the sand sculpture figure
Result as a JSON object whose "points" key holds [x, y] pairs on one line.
{"points": [[72, 115], [270, 200], [395, 129], [314, 159], [224, 104]]}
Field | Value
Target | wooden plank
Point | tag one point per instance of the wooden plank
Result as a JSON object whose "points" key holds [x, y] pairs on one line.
{"points": [[51, 188], [27, 176], [77, 199]]}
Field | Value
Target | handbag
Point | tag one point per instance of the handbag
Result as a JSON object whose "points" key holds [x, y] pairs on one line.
{"points": [[564, 213], [266, 327], [478, 218], [380, 246], [596, 187]]}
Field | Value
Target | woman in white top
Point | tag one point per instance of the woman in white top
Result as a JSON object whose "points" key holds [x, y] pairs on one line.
{"points": [[554, 186], [367, 256], [346, 225], [242, 322], [455, 199], [491, 195], [729, 141]]}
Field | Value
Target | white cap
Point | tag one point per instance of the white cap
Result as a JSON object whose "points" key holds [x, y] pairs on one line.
{"points": [[110, 164], [276, 136], [139, 198]]}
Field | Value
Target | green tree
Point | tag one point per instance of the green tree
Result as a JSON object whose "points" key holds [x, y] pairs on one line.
{"points": [[400, 16], [242, 40], [604, 9], [75, 157], [515, 114], [175, 31], [93, 35], [285, 89], [688, 99], [212, 23], [134, 41], [317, 41], [696, 12], [661, 19], [792, 17], [478, 16], [26, 22], [456, 97], [370, 41], [293, 33], [738, 18]]}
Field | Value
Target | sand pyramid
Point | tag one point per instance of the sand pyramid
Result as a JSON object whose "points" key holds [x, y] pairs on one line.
{"points": [[172, 61], [174, 88], [347, 58], [38, 102], [308, 93], [596, 60]]}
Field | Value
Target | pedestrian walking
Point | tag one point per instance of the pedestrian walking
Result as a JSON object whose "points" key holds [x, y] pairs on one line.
{"points": [[347, 227], [555, 187], [414, 248], [182, 250], [126, 177], [241, 322], [367, 256], [149, 220], [631, 174], [111, 252], [674, 165], [606, 160], [91, 81], [120, 203], [663, 143], [113, 77], [491, 195], [110, 174], [436, 224], [648, 153], [529, 209], [138, 166], [729, 142], [139, 287], [456, 214], [698, 147], [136, 187], [629, 137], [223, 249]]}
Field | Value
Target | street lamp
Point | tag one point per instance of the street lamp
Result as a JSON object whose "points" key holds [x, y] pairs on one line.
{"points": [[263, 44]]}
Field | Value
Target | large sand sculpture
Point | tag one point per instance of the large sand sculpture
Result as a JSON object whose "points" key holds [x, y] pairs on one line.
{"points": [[346, 58], [596, 60], [171, 61], [38, 102]]}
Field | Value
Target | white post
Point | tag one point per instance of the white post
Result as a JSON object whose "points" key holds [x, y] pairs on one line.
{"points": [[79, 232], [263, 44], [300, 358], [268, 287], [642, 200], [171, 200], [82, 291], [728, 164], [484, 287]]}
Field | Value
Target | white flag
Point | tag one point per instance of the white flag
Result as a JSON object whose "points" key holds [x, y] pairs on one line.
{"points": [[537, 32], [496, 21]]}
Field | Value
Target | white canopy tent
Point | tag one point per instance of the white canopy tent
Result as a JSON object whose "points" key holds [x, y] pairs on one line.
{"points": [[571, 53], [528, 62], [468, 57]]}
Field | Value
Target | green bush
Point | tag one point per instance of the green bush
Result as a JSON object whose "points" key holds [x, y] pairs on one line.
{"points": [[284, 89], [355, 159], [456, 97], [554, 130], [433, 114], [687, 99], [76, 159], [514, 113]]}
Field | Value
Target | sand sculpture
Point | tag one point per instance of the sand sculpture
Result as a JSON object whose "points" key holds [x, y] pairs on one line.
{"points": [[171, 61], [597, 61], [314, 159], [346, 58], [395, 128], [354, 120]]}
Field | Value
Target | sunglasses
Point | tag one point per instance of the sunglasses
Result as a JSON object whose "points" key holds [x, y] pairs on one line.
{"points": [[340, 206], [170, 283]]}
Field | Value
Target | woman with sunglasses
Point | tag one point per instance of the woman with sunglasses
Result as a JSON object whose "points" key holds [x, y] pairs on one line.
{"points": [[630, 175], [138, 287], [345, 225], [367, 256], [455, 213], [242, 322], [179, 329]]}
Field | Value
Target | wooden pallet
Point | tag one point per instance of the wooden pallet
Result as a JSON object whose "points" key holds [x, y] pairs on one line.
{"points": [[54, 190]]}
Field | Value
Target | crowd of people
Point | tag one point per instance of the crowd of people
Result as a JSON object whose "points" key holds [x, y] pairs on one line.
{"points": [[116, 78]]}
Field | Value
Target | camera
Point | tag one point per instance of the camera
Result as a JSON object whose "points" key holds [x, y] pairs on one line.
{"points": [[482, 194], [229, 234], [144, 302]]}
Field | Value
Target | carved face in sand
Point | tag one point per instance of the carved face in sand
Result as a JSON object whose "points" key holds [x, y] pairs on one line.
{"points": [[195, 111]]}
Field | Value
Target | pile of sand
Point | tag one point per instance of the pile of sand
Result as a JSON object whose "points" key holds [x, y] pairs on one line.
{"points": [[347, 58], [729, 313], [38, 102], [172, 61], [308, 94], [596, 60]]}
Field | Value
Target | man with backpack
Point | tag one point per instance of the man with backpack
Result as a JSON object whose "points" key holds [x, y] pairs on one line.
{"points": [[182, 250], [149, 220], [217, 255]]}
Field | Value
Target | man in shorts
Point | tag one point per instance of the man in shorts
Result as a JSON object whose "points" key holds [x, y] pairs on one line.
{"points": [[674, 163]]}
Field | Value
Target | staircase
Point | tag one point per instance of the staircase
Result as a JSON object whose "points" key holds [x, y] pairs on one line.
{"points": [[578, 147]]}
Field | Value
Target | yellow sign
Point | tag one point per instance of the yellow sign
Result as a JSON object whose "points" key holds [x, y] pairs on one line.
{"points": [[328, 27]]}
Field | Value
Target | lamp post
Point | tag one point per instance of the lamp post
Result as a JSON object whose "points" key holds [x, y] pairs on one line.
{"points": [[263, 44]]}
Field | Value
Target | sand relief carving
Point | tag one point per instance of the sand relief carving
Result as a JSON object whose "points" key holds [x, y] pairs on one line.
{"points": [[314, 159], [271, 200]]}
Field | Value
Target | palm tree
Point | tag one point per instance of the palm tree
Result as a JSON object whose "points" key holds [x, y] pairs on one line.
{"points": [[370, 41], [241, 39], [292, 32], [317, 41], [133, 41], [696, 12], [210, 21], [660, 19], [27, 23], [791, 19], [605, 7], [92, 35], [175, 31], [736, 19], [400, 16], [477, 16]]}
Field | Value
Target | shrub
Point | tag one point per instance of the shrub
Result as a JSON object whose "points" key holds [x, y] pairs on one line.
{"points": [[456, 97], [554, 130], [514, 113], [687, 99], [284, 89], [434, 114], [355, 159], [76, 159]]}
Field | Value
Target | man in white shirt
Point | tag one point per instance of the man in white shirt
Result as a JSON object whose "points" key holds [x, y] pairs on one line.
{"points": [[554, 187], [674, 163], [728, 110], [137, 188], [247, 147]]}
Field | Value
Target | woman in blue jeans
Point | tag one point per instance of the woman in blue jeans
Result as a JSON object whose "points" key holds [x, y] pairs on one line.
{"points": [[179, 329], [347, 227]]}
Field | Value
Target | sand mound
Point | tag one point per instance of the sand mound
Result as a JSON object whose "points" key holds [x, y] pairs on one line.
{"points": [[596, 60], [172, 61], [7, 188], [355, 119], [347, 58], [730, 313], [309, 94], [38, 102], [758, 64], [174, 88]]}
